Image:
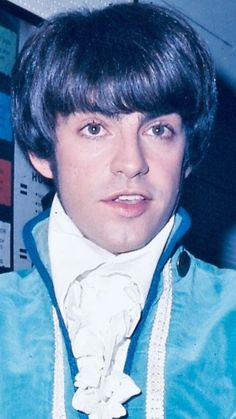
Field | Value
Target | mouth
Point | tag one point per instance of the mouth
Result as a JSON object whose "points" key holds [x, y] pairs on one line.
{"points": [[129, 199], [128, 205]]}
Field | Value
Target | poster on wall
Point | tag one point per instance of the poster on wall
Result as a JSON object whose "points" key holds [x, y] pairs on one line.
{"points": [[9, 29], [21, 188], [8, 45], [29, 190]]}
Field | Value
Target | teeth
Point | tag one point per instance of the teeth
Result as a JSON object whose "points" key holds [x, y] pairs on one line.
{"points": [[129, 198]]}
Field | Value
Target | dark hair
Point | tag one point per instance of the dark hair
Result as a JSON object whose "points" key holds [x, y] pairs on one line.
{"points": [[124, 58]]}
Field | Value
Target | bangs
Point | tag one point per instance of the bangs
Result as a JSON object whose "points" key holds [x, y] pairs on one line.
{"points": [[132, 91]]}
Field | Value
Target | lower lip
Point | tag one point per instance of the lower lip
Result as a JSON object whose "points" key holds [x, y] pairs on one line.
{"points": [[127, 209]]}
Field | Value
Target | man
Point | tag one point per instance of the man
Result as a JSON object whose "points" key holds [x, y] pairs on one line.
{"points": [[115, 318]]}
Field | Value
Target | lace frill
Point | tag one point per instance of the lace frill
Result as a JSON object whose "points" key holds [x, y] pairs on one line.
{"points": [[104, 311]]}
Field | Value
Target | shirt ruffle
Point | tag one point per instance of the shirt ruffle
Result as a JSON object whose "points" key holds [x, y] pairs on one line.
{"points": [[104, 310]]}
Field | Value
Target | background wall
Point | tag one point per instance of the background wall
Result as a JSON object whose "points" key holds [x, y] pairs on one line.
{"points": [[45, 8]]}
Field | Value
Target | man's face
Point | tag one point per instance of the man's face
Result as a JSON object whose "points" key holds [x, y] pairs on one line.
{"points": [[118, 178]]}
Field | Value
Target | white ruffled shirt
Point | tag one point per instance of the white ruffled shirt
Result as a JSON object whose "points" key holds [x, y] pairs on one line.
{"points": [[101, 297]]}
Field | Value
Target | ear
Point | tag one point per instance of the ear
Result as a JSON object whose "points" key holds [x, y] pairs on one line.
{"points": [[41, 165]]}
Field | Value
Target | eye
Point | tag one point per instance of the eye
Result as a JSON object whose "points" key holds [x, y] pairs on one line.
{"points": [[160, 130], [93, 129]]}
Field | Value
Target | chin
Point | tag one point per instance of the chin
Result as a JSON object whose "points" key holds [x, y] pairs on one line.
{"points": [[123, 239], [119, 248]]}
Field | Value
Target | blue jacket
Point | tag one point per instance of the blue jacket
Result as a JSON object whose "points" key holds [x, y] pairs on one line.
{"points": [[199, 364]]}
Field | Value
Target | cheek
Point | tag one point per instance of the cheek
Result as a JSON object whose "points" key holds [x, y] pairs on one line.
{"points": [[175, 183], [168, 172], [77, 186], [70, 167]]}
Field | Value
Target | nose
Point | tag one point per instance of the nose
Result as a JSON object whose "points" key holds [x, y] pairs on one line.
{"points": [[129, 158]]}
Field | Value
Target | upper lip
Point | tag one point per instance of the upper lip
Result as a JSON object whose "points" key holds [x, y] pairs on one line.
{"points": [[116, 195]]}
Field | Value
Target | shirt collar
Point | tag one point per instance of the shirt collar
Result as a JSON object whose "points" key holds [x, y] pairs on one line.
{"points": [[71, 255]]}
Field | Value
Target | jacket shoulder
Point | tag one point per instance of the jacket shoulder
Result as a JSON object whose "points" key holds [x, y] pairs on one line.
{"points": [[21, 290], [13, 282], [204, 283], [220, 276], [186, 264]]}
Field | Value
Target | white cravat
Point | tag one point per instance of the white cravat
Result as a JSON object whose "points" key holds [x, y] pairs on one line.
{"points": [[101, 297]]}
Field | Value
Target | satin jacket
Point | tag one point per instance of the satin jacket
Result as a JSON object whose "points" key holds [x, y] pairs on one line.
{"points": [[182, 353]]}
